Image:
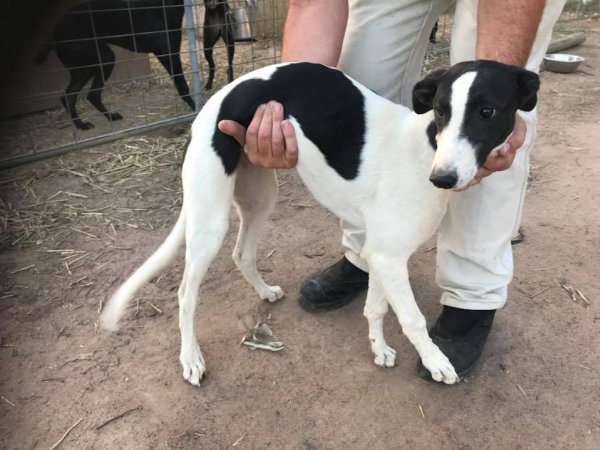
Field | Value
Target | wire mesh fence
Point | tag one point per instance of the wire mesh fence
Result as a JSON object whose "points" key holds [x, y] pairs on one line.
{"points": [[438, 52], [113, 68]]}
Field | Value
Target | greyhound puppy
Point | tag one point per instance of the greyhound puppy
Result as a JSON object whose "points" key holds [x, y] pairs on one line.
{"points": [[373, 163]]}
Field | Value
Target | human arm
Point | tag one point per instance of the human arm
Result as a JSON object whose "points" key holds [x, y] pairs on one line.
{"points": [[313, 31], [506, 31]]}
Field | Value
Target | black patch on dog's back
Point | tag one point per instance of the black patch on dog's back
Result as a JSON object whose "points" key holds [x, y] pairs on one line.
{"points": [[326, 104]]}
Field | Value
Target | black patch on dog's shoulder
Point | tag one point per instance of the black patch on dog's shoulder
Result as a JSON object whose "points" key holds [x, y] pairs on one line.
{"points": [[328, 106], [431, 133]]}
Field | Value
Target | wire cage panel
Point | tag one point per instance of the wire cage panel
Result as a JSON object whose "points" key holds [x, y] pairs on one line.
{"points": [[121, 59]]}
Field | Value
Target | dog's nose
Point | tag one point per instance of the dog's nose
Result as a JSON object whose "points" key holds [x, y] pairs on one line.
{"points": [[443, 179]]}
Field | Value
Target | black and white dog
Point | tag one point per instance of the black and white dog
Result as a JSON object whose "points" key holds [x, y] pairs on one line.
{"points": [[217, 24], [373, 163], [82, 37]]}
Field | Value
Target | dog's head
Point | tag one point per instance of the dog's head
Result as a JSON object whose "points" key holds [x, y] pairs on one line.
{"points": [[474, 107], [212, 4]]}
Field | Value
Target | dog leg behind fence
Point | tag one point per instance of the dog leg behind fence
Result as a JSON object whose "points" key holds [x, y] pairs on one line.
{"points": [[208, 55], [101, 75], [254, 197], [229, 42], [172, 64], [79, 77]]}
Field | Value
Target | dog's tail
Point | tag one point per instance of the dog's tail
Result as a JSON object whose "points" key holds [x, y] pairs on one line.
{"points": [[154, 264]]}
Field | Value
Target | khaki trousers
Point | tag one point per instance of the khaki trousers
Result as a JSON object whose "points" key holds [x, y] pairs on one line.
{"points": [[384, 47]]}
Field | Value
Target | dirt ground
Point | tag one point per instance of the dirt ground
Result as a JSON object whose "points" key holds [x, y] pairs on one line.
{"points": [[75, 227]]}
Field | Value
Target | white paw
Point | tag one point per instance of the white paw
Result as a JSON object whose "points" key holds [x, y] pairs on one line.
{"points": [[385, 356], [193, 364], [440, 367], [271, 293]]}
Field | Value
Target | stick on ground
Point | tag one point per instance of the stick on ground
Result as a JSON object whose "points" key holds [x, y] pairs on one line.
{"points": [[118, 416], [55, 446]]}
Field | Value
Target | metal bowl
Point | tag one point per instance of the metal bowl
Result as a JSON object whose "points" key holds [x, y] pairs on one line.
{"points": [[562, 62]]}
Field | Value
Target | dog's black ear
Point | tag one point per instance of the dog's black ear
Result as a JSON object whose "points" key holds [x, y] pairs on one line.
{"points": [[529, 84], [424, 92]]}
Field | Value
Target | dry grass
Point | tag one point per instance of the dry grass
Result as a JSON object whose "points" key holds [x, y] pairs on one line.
{"points": [[92, 195]]}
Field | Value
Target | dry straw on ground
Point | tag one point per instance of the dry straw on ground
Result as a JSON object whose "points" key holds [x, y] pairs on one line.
{"points": [[85, 195]]}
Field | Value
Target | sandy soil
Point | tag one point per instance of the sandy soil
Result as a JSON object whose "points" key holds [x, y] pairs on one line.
{"points": [[75, 227]]}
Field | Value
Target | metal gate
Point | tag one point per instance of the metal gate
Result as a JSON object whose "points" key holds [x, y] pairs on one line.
{"points": [[138, 91]]}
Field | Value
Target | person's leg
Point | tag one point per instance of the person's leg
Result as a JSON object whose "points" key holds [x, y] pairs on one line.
{"points": [[384, 47], [474, 253]]}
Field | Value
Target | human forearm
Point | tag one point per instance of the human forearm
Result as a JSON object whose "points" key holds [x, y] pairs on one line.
{"points": [[506, 29], [314, 30]]}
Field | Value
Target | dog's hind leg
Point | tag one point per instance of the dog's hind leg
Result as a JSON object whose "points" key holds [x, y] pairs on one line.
{"points": [[227, 34], [79, 77], [171, 61], [255, 195], [209, 39], [392, 274], [101, 74], [375, 310], [208, 194], [208, 54]]}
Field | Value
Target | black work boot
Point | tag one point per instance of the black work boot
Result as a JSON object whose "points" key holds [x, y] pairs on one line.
{"points": [[461, 335], [332, 287]]}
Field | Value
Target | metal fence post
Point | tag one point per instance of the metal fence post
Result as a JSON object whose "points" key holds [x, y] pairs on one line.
{"points": [[191, 34]]}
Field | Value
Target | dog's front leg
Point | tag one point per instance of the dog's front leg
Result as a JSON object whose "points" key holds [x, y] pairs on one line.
{"points": [[392, 274], [376, 307]]}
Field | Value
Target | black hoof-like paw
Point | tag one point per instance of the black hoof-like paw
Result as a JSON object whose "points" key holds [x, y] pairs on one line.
{"points": [[85, 126], [114, 116]]}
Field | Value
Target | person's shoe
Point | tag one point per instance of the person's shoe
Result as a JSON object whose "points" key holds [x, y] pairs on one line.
{"points": [[461, 335], [332, 287]]}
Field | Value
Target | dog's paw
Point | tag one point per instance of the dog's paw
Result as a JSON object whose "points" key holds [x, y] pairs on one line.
{"points": [[114, 116], [385, 357], [271, 293], [440, 367], [193, 365], [86, 126]]}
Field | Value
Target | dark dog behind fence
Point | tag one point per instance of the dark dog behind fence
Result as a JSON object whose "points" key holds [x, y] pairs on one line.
{"points": [[217, 24], [82, 37], [34, 124]]}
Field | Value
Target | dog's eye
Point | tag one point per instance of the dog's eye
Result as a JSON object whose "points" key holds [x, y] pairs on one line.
{"points": [[487, 113], [439, 112]]}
